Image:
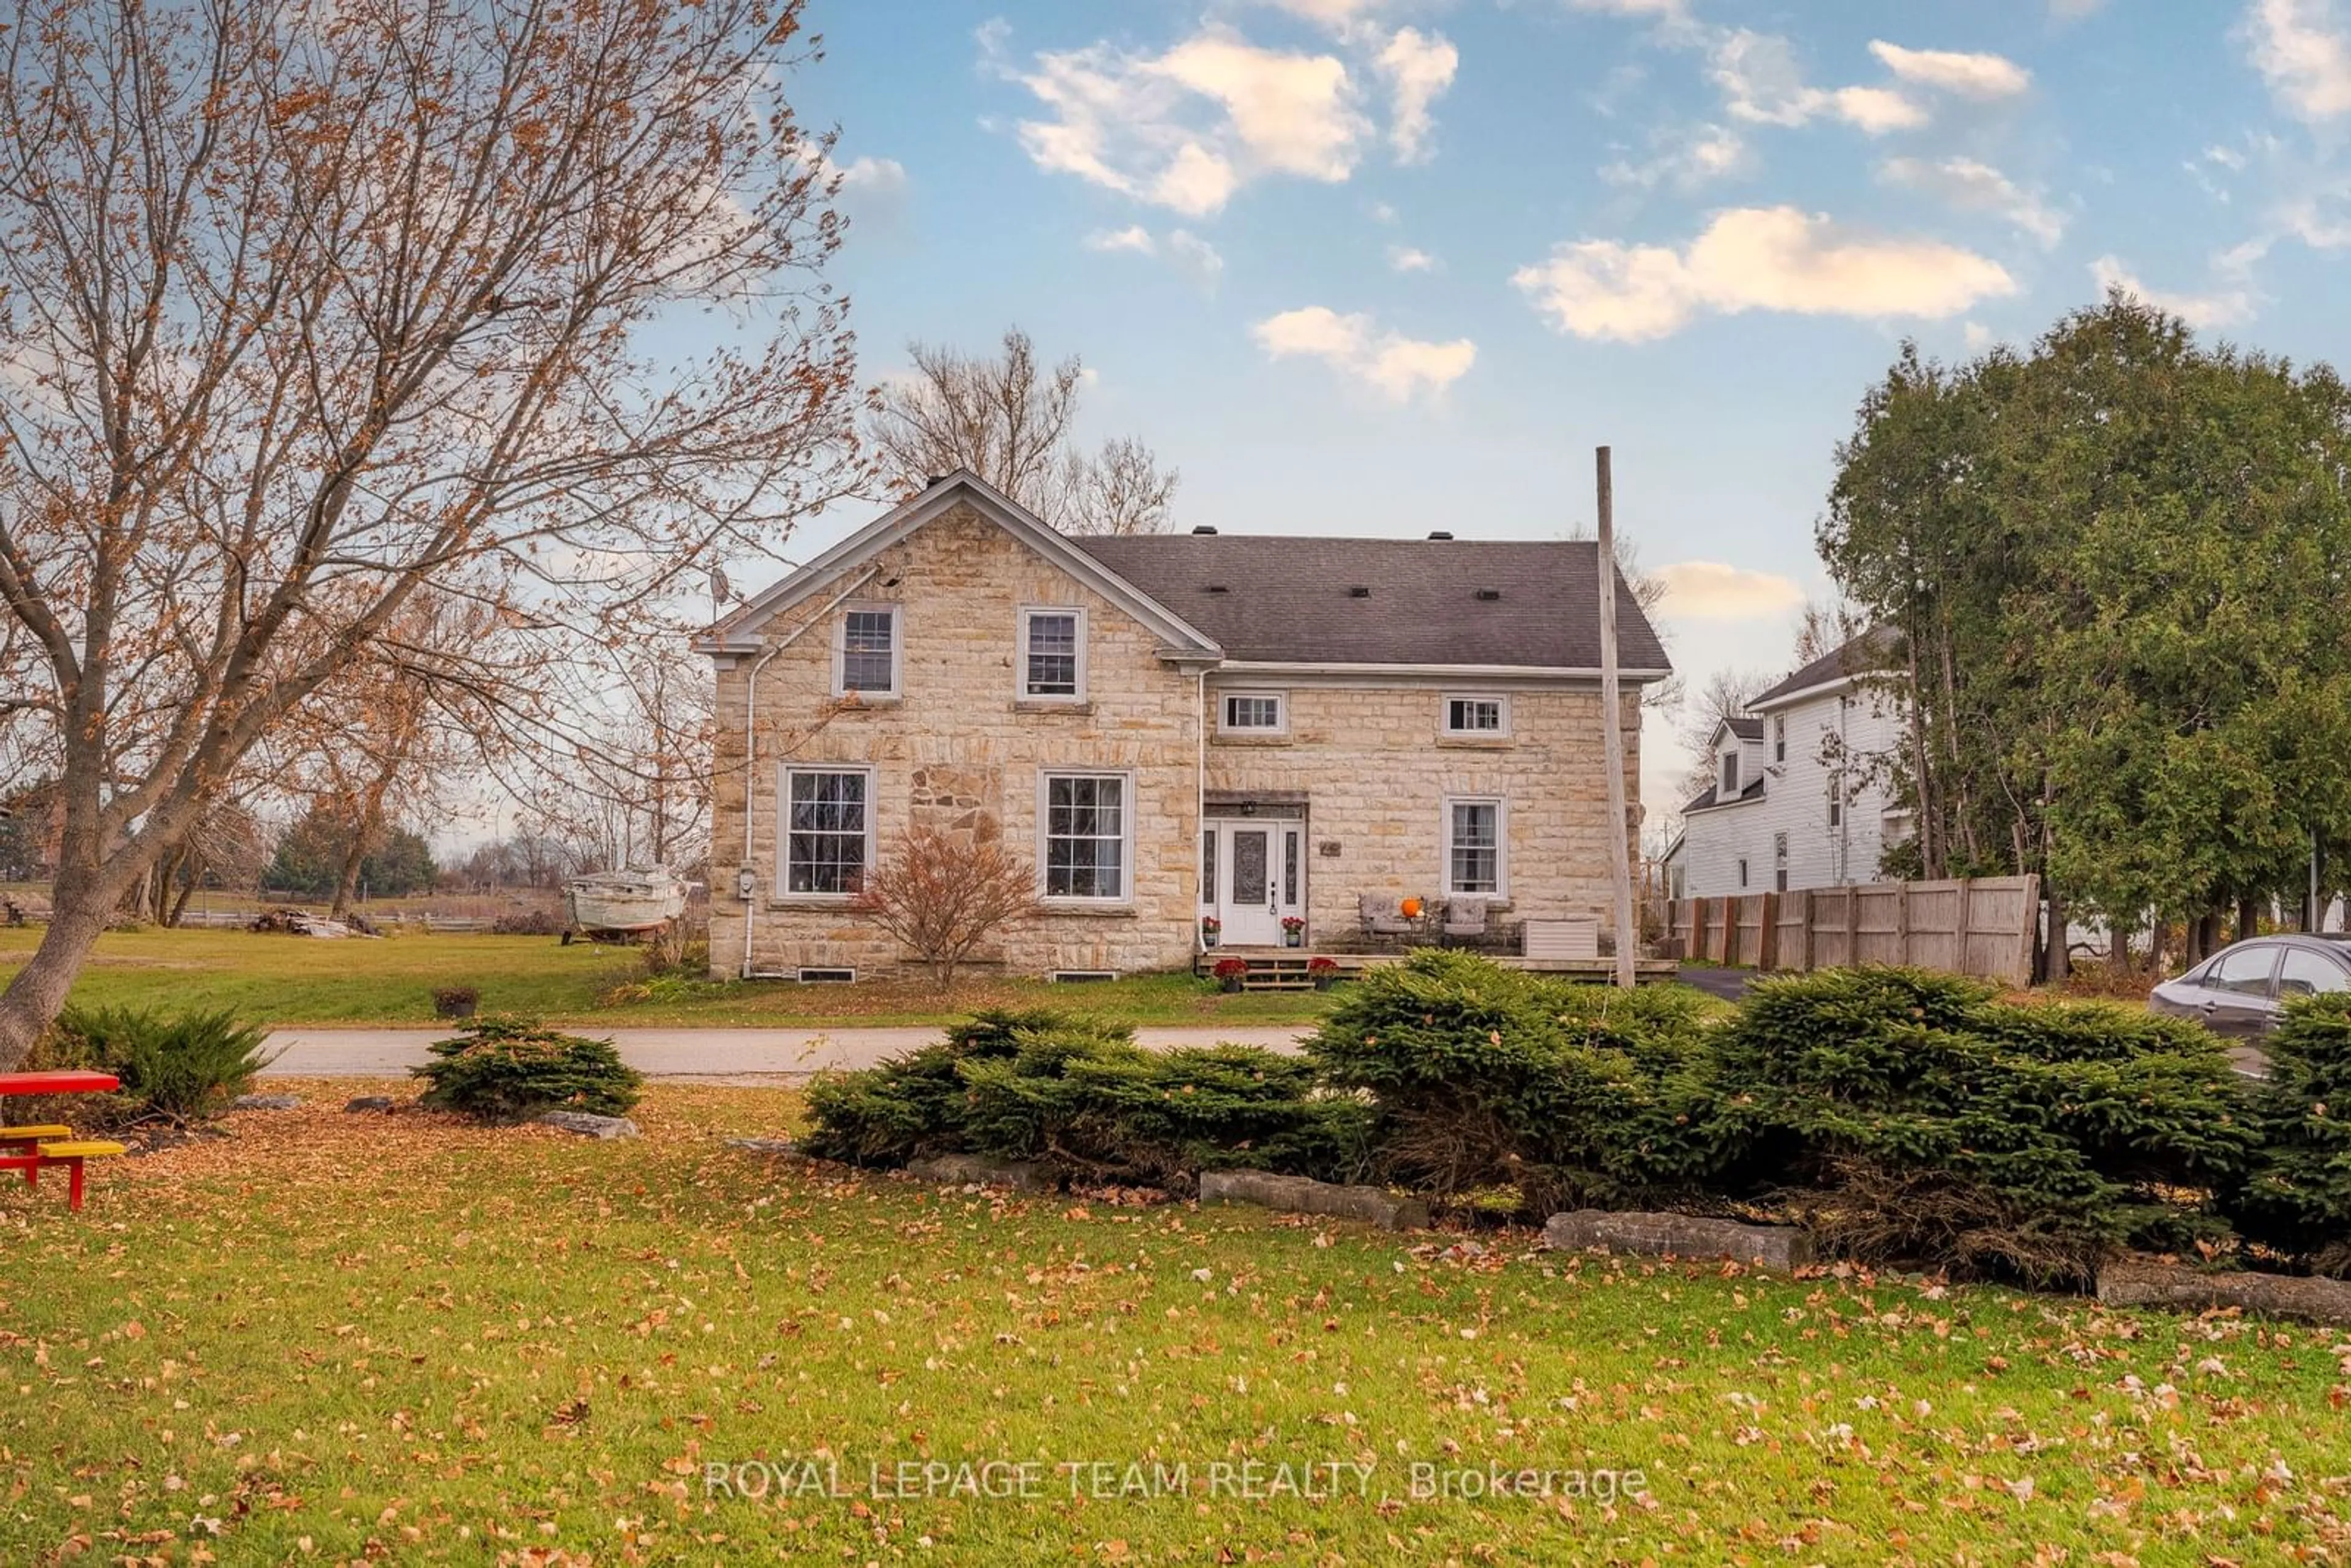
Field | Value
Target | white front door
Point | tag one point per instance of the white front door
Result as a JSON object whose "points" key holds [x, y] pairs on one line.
{"points": [[1258, 873]]}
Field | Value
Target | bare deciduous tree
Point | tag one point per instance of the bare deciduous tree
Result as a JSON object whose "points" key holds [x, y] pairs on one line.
{"points": [[946, 895], [309, 306], [1007, 419], [1725, 696]]}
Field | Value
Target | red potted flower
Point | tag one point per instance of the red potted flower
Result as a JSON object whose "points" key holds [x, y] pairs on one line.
{"points": [[1209, 926], [1293, 931], [1322, 971], [1230, 971]]}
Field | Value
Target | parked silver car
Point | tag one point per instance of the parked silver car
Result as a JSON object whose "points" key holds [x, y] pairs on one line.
{"points": [[2239, 990]]}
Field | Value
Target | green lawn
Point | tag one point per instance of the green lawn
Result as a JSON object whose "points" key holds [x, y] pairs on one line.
{"points": [[303, 980], [330, 1336]]}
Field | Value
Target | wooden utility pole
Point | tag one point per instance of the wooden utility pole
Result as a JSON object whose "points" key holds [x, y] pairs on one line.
{"points": [[1611, 729]]}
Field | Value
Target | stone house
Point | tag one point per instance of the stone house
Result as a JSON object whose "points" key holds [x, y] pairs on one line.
{"points": [[1801, 791], [1175, 727]]}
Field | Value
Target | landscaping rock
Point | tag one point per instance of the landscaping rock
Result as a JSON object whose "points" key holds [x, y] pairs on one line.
{"points": [[2146, 1282], [589, 1125], [965, 1170], [265, 1102], [1777, 1247], [1301, 1195], [781, 1148], [370, 1103]]}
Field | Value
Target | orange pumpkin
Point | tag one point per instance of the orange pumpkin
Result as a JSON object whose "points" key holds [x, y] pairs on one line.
{"points": [[1411, 908]]}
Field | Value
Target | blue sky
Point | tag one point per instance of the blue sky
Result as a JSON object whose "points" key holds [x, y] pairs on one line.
{"points": [[1374, 268]]}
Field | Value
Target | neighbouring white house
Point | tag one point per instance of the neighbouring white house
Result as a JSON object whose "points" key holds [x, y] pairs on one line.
{"points": [[1800, 795]]}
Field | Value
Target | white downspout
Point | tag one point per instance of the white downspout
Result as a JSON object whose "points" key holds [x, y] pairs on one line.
{"points": [[746, 877], [1200, 806]]}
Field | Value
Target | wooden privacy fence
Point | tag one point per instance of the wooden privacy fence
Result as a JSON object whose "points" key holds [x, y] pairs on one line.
{"points": [[1987, 927]]}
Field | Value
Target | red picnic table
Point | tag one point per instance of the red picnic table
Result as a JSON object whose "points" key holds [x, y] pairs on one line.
{"points": [[27, 1149]]}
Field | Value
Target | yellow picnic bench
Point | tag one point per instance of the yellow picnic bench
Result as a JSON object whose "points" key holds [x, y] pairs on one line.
{"points": [[37, 1147]]}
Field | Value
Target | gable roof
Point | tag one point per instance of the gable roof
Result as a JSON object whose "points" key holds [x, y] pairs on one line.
{"points": [[739, 632], [1744, 728], [1285, 599], [1872, 651]]}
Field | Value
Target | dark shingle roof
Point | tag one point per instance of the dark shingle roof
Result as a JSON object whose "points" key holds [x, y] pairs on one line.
{"points": [[1288, 599], [1873, 649], [1707, 797], [1746, 729]]}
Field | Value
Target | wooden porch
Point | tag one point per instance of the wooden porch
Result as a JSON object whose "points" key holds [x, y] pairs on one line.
{"points": [[1292, 968]]}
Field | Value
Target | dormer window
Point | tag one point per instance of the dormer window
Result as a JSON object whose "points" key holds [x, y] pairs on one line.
{"points": [[1729, 775]]}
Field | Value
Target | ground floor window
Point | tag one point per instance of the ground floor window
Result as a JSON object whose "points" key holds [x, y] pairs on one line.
{"points": [[1473, 846], [828, 829], [1085, 826]]}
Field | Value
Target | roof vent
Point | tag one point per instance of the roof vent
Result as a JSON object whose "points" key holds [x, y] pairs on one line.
{"points": [[1440, 534], [1203, 528], [1216, 588], [1359, 591], [1490, 593]]}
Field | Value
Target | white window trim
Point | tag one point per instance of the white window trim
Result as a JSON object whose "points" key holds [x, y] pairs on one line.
{"points": [[784, 772], [1045, 776], [1502, 888], [1726, 775], [1020, 668], [897, 650], [1281, 707], [1444, 715]]}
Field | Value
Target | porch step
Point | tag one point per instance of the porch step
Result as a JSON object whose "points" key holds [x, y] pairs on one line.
{"points": [[1276, 983]]}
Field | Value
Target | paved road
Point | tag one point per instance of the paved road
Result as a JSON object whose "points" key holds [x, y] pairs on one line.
{"points": [[684, 1052], [1729, 984]]}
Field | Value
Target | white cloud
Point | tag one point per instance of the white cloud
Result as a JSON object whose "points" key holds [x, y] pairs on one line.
{"points": [[1187, 252], [1196, 258], [1760, 82], [1404, 259], [1392, 364], [1976, 336], [880, 176], [1710, 590], [2225, 307], [1946, 70], [1330, 13], [1754, 259], [1658, 10], [1186, 129], [1876, 109], [2303, 48], [1419, 68], [1687, 157], [1978, 187], [1134, 237]]}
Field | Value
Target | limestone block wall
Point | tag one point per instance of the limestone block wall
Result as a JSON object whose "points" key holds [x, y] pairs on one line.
{"points": [[960, 749], [1376, 769]]}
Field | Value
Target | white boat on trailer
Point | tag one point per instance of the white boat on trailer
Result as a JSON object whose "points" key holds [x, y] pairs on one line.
{"points": [[622, 903]]}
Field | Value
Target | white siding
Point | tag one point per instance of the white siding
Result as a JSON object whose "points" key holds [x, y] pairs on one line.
{"points": [[1796, 801]]}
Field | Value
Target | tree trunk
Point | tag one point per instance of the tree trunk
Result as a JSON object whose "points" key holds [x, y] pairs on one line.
{"points": [[2056, 957], [348, 882], [2249, 915], [79, 909]]}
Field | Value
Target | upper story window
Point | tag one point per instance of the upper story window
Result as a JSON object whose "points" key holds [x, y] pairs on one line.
{"points": [[1779, 737], [866, 652], [1475, 716], [1836, 800], [1053, 653], [1729, 775], [1253, 713]]}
